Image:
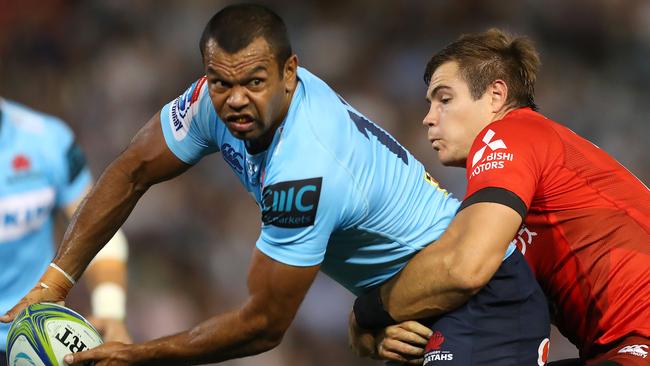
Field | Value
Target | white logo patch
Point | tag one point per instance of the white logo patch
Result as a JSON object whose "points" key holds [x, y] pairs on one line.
{"points": [[636, 350], [494, 159], [494, 145], [25, 212], [184, 108]]}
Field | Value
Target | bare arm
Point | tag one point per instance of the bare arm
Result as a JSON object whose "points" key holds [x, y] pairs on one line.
{"points": [[145, 162], [106, 280], [446, 274], [276, 291]]}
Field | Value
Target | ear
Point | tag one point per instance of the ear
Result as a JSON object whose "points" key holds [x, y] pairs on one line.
{"points": [[290, 73], [498, 95]]}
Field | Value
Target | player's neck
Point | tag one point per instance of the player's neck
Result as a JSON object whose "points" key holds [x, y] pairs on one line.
{"points": [[501, 113]]}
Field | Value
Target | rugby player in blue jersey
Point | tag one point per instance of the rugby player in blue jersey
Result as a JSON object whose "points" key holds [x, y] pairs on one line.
{"points": [[42, 171], [336, 192]]}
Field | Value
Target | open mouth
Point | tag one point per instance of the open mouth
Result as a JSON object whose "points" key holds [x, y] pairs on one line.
{"points": [[241, 123]]}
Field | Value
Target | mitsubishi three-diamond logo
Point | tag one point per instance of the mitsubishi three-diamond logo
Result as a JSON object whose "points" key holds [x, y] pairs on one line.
{"points": [[491, 159], [494, 145]]}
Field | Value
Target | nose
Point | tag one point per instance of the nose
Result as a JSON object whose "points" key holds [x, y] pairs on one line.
{"points": [[431, 119], [237, 98]]}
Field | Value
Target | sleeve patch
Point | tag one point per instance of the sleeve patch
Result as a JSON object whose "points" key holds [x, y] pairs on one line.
{"points": [[291, 204], [180, 117], [76, 161]]}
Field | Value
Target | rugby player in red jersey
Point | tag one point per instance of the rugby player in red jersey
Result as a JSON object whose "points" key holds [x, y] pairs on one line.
{"points": [[580, 218]]}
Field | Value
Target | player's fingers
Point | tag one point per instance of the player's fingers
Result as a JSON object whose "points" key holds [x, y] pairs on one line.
{"points": [[417, 361], [79, 357], [391, 356], [402, 348], [13, 312], [402, 333], [423, 331]]}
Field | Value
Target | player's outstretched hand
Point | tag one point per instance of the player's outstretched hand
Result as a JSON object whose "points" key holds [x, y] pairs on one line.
{"points": [[108, 354], [403, 342], [111, 330], [52, 287]]}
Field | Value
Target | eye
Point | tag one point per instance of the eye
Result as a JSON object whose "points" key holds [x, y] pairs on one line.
{"points": [[445, 100], [219, 83], [256, 83]]}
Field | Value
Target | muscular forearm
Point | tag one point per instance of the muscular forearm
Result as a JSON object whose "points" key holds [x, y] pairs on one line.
{"points": [[429, 286], [446, 274], [221, 338], [100, 215]]}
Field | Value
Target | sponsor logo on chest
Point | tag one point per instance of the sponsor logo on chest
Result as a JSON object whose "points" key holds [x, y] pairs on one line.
{"points": [[489, 157], [291, 204]]}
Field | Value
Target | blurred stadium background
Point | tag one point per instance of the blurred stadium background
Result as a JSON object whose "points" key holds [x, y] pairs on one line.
{"points": [[107, 66]]}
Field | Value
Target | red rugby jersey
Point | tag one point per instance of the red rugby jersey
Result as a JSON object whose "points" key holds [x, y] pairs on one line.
{"points": [[586, 231]]}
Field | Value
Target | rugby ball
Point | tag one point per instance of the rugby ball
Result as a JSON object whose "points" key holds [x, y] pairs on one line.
{"points": [[44, 333]]}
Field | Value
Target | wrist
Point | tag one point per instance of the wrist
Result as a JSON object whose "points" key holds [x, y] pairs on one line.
{"points": [[369, 312], [57, 280]]}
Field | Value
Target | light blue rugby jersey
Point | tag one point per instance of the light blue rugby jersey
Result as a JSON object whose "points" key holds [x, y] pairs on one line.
{"points": [[41, 169], [333, 187]]}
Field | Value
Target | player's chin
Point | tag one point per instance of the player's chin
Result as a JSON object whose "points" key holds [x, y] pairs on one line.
{"points": [[447, 159]]}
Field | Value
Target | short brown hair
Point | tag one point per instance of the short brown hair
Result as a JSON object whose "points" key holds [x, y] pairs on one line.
{"points": [[485, 57]]}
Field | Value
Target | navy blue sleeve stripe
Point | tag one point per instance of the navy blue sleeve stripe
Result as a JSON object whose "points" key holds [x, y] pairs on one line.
{"points": [[496, 195], [76, 161]]}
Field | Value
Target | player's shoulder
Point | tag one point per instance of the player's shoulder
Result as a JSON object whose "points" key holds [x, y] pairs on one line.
{"points": [[193, 105], [35, 125], [320, 104]]}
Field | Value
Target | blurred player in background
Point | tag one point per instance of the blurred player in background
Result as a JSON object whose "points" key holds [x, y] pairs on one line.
{"points": [[586, 219], [43, 172], [336, 192]]}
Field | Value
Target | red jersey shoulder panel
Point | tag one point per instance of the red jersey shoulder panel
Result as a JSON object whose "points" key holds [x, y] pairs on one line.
{"points": [[514, 153]]}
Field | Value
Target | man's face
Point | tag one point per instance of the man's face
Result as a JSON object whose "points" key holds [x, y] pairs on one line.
{"points": [[247, 90], [454, 118]]}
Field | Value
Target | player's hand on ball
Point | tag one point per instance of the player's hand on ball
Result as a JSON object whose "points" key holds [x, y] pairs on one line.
{"points": [[108, 354], [111, 330], [52, 287], [403, 342]]}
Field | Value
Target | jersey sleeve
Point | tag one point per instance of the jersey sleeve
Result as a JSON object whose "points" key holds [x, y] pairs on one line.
{"points": [[68, 164], [298, 217], [189, 124], [504, 165]]}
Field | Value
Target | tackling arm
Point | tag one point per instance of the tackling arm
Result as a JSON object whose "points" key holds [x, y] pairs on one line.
{"points": [[446, 274], [276, 291]]}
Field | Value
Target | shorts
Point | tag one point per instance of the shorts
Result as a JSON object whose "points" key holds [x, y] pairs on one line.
{"points": [[507, 323], [3, 359]]}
